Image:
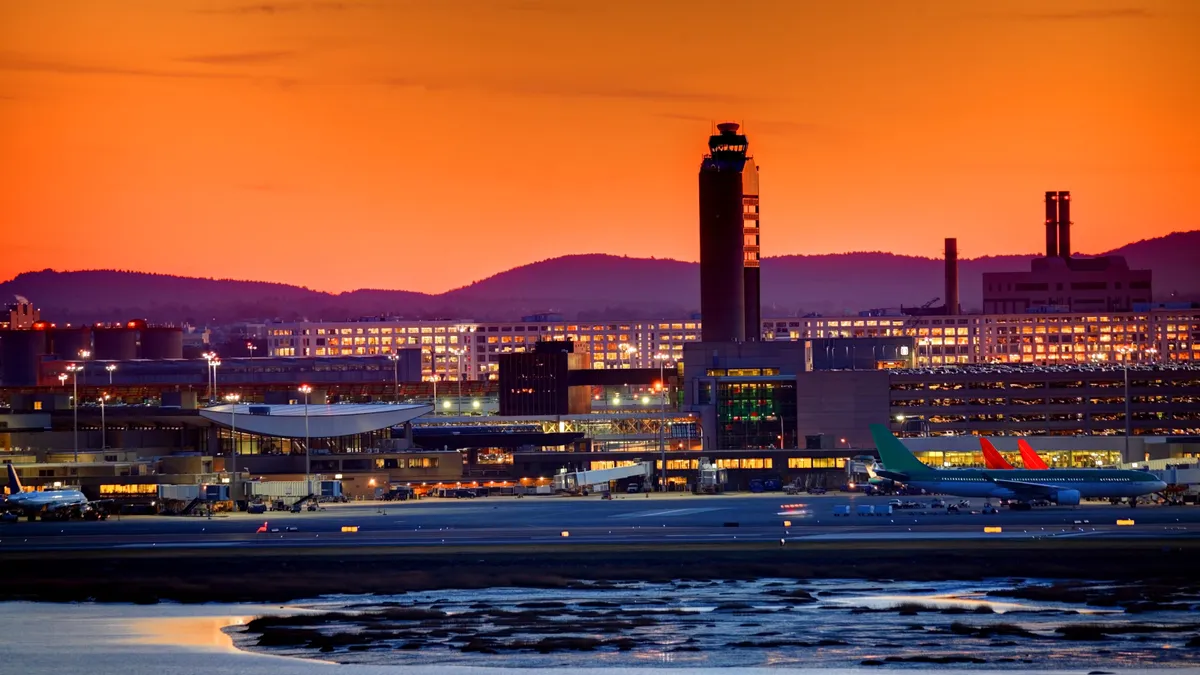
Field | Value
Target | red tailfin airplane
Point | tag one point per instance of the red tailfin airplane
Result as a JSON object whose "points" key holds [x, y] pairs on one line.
{"points": [[992, 458], [1029, 457]]}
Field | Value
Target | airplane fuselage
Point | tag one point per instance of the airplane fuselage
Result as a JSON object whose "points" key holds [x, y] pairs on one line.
{"points": [[1099, 483], [48, 499]]}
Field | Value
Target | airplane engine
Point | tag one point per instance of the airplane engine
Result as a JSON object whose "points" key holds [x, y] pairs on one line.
{"points": [[1067, 498]]}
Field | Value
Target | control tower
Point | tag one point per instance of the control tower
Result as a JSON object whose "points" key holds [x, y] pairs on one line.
{"points": [[729, 246]]}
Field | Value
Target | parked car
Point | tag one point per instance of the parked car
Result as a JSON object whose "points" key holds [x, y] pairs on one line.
{"points": [[816, 490]]}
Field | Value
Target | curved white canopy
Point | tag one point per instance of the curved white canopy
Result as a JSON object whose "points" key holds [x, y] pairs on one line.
{"points": [[324, 421]]}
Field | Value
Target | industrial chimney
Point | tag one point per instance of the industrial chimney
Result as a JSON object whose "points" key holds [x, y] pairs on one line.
{"points": [[952, 307], [1064, 225], [1051, 224]]}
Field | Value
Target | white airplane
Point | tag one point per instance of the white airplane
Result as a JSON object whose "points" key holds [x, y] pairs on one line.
{"points": [[45, 502], [1062, 486]]}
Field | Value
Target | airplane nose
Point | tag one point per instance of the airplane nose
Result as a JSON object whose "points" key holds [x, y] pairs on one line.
{"points": [[1159, 486]]}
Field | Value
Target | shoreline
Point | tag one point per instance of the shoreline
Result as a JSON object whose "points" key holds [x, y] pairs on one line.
{"points": [[280, 575]]}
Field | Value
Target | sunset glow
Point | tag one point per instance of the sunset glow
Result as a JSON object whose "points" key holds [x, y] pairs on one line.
{"points": [[426, 144]]}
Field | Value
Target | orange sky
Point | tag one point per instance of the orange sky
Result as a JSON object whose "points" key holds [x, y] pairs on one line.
{"points": [[424, 144]]}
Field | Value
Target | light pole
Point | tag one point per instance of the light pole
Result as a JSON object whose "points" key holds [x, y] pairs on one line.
{"points": [[103, 425], [662, 414], [1125, 351], [435, 379], [233, 401], [306, 390], [215, 362], [83, 357], [250, 348], [110, 368], [208, 358], [458, 352], [394, 357], [74, 370]]}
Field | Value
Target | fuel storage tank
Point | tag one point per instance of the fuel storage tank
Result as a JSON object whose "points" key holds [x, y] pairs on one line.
{"points": [[114, 344], [21, 352], [161, 342]]}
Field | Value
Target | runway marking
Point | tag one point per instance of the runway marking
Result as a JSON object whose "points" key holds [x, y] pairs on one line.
{"points": [[668, 513], [205, 544]]}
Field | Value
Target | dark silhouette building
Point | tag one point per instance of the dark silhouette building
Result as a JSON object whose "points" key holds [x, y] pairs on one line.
{"points": [[750, 251], [952, 305], [729, 243], [1060, 282], [538, 383]]}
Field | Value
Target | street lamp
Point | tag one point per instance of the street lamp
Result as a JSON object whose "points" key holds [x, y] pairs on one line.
{"points": [[208, 359], [110, 368], [233, 399], [214, 363], [1126, 351], [306, 390], [250, 348], [662, 413], [628, 351], [103, 425], [434, 379], [458, 352], [74, 370], [83, 357], [394, 357]]}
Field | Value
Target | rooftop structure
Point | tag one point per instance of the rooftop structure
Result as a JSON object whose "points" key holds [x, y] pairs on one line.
{"points": [[1060, 282], [316, 421]]}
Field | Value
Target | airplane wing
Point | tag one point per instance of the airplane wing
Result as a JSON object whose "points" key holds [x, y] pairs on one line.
{"points": [[992, 458], [1020, 486], [1031, 459]]}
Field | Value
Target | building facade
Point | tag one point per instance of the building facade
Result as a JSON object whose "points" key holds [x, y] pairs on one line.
{"points": [[471, 350]]}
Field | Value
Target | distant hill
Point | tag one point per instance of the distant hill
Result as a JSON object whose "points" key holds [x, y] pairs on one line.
{"points": [[590, 287]]}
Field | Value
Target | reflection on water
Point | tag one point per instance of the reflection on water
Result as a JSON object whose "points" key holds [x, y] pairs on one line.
{"points": [[767, 623], [198, 631], [51, 639]]}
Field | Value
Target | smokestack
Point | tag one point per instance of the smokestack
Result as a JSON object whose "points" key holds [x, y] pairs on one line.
{"points": [[952, 276], [1051, 224], [1064, 225]]}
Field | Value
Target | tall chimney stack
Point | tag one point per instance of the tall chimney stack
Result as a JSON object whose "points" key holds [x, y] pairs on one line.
{"points": [[952, 307], [1051, 224], [1064, 225]]}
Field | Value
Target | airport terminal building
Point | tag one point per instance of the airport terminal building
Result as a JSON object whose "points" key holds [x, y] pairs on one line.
{"points": [[1040, 338]]}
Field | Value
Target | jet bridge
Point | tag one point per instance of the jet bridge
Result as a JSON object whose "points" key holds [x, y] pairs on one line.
{"points": [[597, 480]]}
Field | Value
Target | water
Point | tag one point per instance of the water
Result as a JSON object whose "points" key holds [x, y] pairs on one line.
{"points": [[170, 639]]}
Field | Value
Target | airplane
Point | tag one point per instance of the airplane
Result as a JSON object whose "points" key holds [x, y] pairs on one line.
{"points": [[1031, 459], [45, 502], [992, 458], [1063, 486]]}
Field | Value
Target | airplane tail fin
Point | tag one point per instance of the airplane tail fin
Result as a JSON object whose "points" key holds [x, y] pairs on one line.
{"points": [[893, 454], [1032, 459], [14, 483], [992, 458]]}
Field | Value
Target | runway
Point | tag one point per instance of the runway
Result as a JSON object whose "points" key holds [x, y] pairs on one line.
{"points": [[635, 519]]}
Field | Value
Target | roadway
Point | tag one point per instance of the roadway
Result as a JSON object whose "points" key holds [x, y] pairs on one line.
{"points": [[628, 519]]}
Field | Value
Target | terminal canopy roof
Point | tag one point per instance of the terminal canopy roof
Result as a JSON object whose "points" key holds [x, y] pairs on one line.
{"points": [[324, 421]]}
